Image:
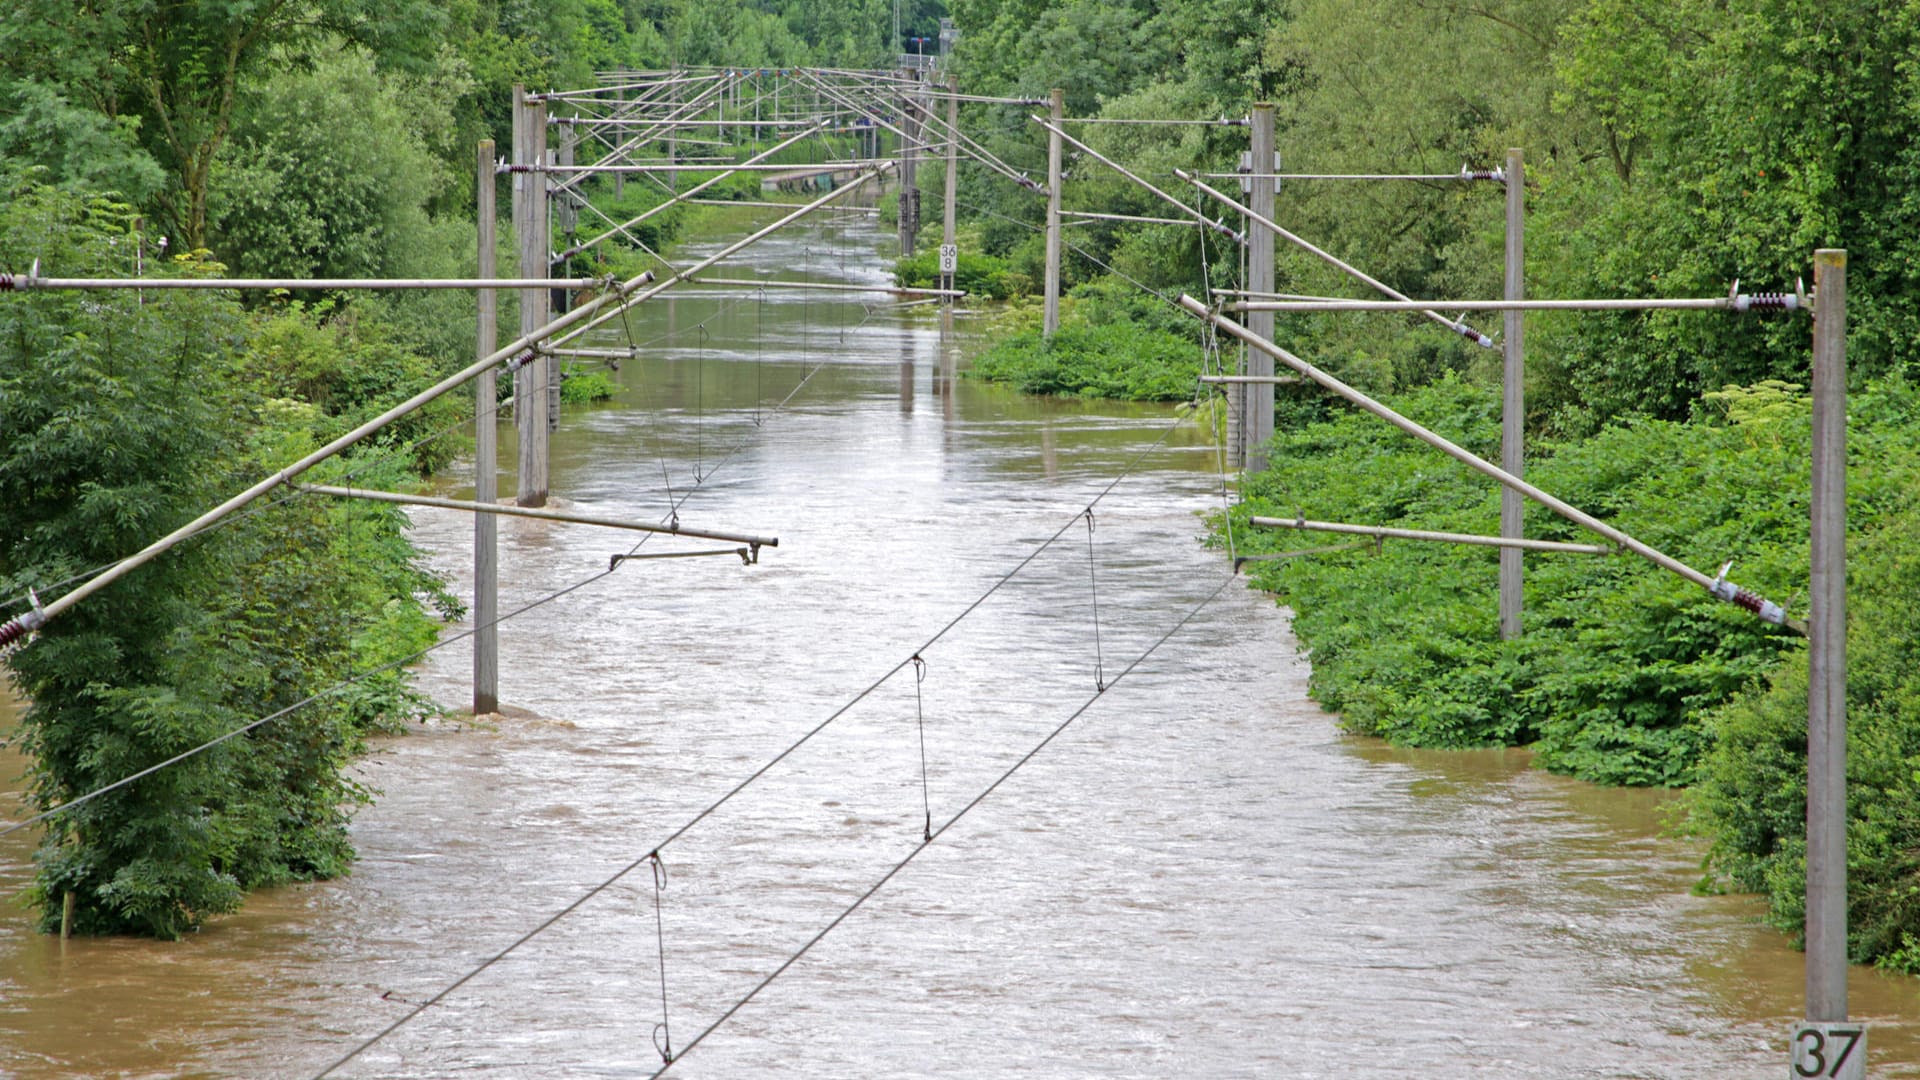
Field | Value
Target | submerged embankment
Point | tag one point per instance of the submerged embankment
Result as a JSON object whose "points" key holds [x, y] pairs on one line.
{"points": [[1204, 872]]}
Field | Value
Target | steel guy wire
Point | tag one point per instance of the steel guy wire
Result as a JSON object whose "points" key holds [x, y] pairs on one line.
{"points": [[768, 766], [964, 811]]}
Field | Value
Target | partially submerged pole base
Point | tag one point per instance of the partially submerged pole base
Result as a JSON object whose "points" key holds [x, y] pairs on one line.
{"points": [[66, 916]]}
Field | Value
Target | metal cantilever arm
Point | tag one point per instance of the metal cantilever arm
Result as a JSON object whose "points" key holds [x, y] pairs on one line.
{"points": [[1719, 586], [540, 515]]}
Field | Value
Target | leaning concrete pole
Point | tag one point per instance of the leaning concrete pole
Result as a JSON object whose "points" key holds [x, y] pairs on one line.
{"points": [[1052, 316], [1259, 395], [1827, 651], [1513, 400], [486, 558], [529, 208]]}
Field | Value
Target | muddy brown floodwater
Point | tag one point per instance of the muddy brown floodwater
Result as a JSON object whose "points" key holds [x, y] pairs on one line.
{"points": [[1202, 877]]}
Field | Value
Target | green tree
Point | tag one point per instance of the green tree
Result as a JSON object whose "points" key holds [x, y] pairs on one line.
{"points": [[119, 419], [175, 71], [332, 171], [1742, 137], [108, 422]]}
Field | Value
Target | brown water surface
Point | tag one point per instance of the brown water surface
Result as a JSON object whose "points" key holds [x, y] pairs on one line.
{"points": [[1202, 877]]}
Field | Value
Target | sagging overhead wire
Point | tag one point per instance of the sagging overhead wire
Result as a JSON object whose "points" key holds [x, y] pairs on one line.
{"points": [[614, 563], [861, 900], [786, 752]]}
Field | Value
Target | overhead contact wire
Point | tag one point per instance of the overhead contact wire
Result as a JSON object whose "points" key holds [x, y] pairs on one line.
{"points": [[955, 819], [734, 791], [186, 755]]}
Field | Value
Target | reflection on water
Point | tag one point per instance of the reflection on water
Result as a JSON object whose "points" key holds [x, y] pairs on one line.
{"points": [[1203, 874]]}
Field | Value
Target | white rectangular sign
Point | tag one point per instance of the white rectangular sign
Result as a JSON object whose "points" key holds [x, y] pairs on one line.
{"points": [[949, 258], [1833, 1051]]}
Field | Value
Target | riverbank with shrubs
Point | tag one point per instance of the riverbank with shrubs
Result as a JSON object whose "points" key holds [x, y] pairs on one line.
{"points": [[1627, 674]]}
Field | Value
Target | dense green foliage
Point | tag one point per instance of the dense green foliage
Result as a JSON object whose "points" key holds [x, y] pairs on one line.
{"points": [[332, 171], [580, 387], [980, 275], [121, 417], [285, 139], [1117, 360], [1671, 148], [1626, 674], [1751, 797], [148, 100]]}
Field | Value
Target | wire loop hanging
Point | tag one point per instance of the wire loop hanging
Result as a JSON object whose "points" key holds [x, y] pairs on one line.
{"points": [[662, 1034], [700, 404], [1213, 361], [1093, 581], [920, 720]]}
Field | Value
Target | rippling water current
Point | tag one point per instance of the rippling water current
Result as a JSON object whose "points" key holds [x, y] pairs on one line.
{"points": [[1202, 876]]}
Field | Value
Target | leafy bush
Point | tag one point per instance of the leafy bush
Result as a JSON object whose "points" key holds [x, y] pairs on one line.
{"points": [[580, 387], [330, 176], [119, 420], [1627, 674], [979, 275], [1118, 360], [1751, 798], [348, 367], [109, 423], [1619, 660]]}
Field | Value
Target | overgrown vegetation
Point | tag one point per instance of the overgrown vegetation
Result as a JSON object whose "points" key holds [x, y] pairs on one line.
{"points": [[980, 275], [579, 386], [307, 137], [1626, 674], [1670, 149], [120, 418], [281, 140], [1117, 360]]}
